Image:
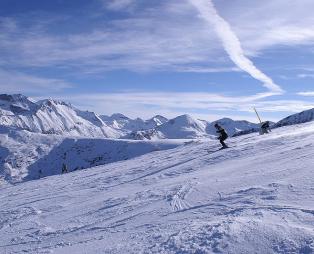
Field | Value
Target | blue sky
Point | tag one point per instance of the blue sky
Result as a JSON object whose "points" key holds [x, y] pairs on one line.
{"points": [[210, 59]]}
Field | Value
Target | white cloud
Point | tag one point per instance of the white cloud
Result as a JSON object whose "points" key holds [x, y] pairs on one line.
{"points": [[117, 4], [17, 82], [306, 75], [308, 93], [267, 24], [199, 69], [143, 41], [152, 38], [232, 44]]}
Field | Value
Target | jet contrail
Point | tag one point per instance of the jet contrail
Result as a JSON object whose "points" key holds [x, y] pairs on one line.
{"points": [[232, 44]]}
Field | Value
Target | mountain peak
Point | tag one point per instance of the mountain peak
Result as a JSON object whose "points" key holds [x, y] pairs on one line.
{"points": [[118, 116], [50, 102], [158, 119], [224, 120], [183, 120]]}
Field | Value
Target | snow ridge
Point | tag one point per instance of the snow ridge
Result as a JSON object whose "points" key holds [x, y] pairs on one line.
{"points": [[302, 117], [51, 117]]}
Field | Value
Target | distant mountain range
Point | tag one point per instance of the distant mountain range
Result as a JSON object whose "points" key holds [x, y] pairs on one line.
{"points": [[124, 125], [185, 126], [51, 117], [57, 117]]}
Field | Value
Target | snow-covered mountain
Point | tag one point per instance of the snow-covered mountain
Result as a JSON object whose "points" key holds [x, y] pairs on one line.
{"points": [[231, 126], [58, 117], [302, 117], [51, 117], [124, 124], [256, 197], [186, 126], [181, 127]]}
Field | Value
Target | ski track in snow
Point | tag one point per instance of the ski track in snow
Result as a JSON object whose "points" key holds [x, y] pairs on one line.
{"points": [[256, 197]]}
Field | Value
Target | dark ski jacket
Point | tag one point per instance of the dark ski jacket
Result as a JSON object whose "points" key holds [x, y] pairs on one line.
{"points": [[222, 132], [265, 125]]}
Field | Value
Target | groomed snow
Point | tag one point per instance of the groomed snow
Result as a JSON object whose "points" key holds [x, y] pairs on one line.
{"points": [[256, 197]]}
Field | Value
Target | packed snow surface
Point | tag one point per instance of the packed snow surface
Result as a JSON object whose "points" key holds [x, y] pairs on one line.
{"points": [[256, 197]]}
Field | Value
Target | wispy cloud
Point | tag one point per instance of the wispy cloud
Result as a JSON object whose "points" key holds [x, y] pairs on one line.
{"points": [[306, 75], [18, 82], [262, 25], [141, 42], [308, 93], [152, 39], [232, 44], [117, 4]]}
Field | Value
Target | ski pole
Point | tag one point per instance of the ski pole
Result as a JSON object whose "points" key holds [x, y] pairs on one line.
{"points": [[257, 115]]}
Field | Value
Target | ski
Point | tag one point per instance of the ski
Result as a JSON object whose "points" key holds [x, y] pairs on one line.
{"points": [[213, 151]]}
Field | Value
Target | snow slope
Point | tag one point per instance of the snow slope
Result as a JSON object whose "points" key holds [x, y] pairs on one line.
{"points": [[51, 117], [256, 197], [25, 155]]}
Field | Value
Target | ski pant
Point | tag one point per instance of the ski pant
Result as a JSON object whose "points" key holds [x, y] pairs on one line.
{"points": [[264, 130], [222, 139]]}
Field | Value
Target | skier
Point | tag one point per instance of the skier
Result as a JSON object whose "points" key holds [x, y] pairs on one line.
{"points": [[64, 168], [265, 128], [223, 135]]}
